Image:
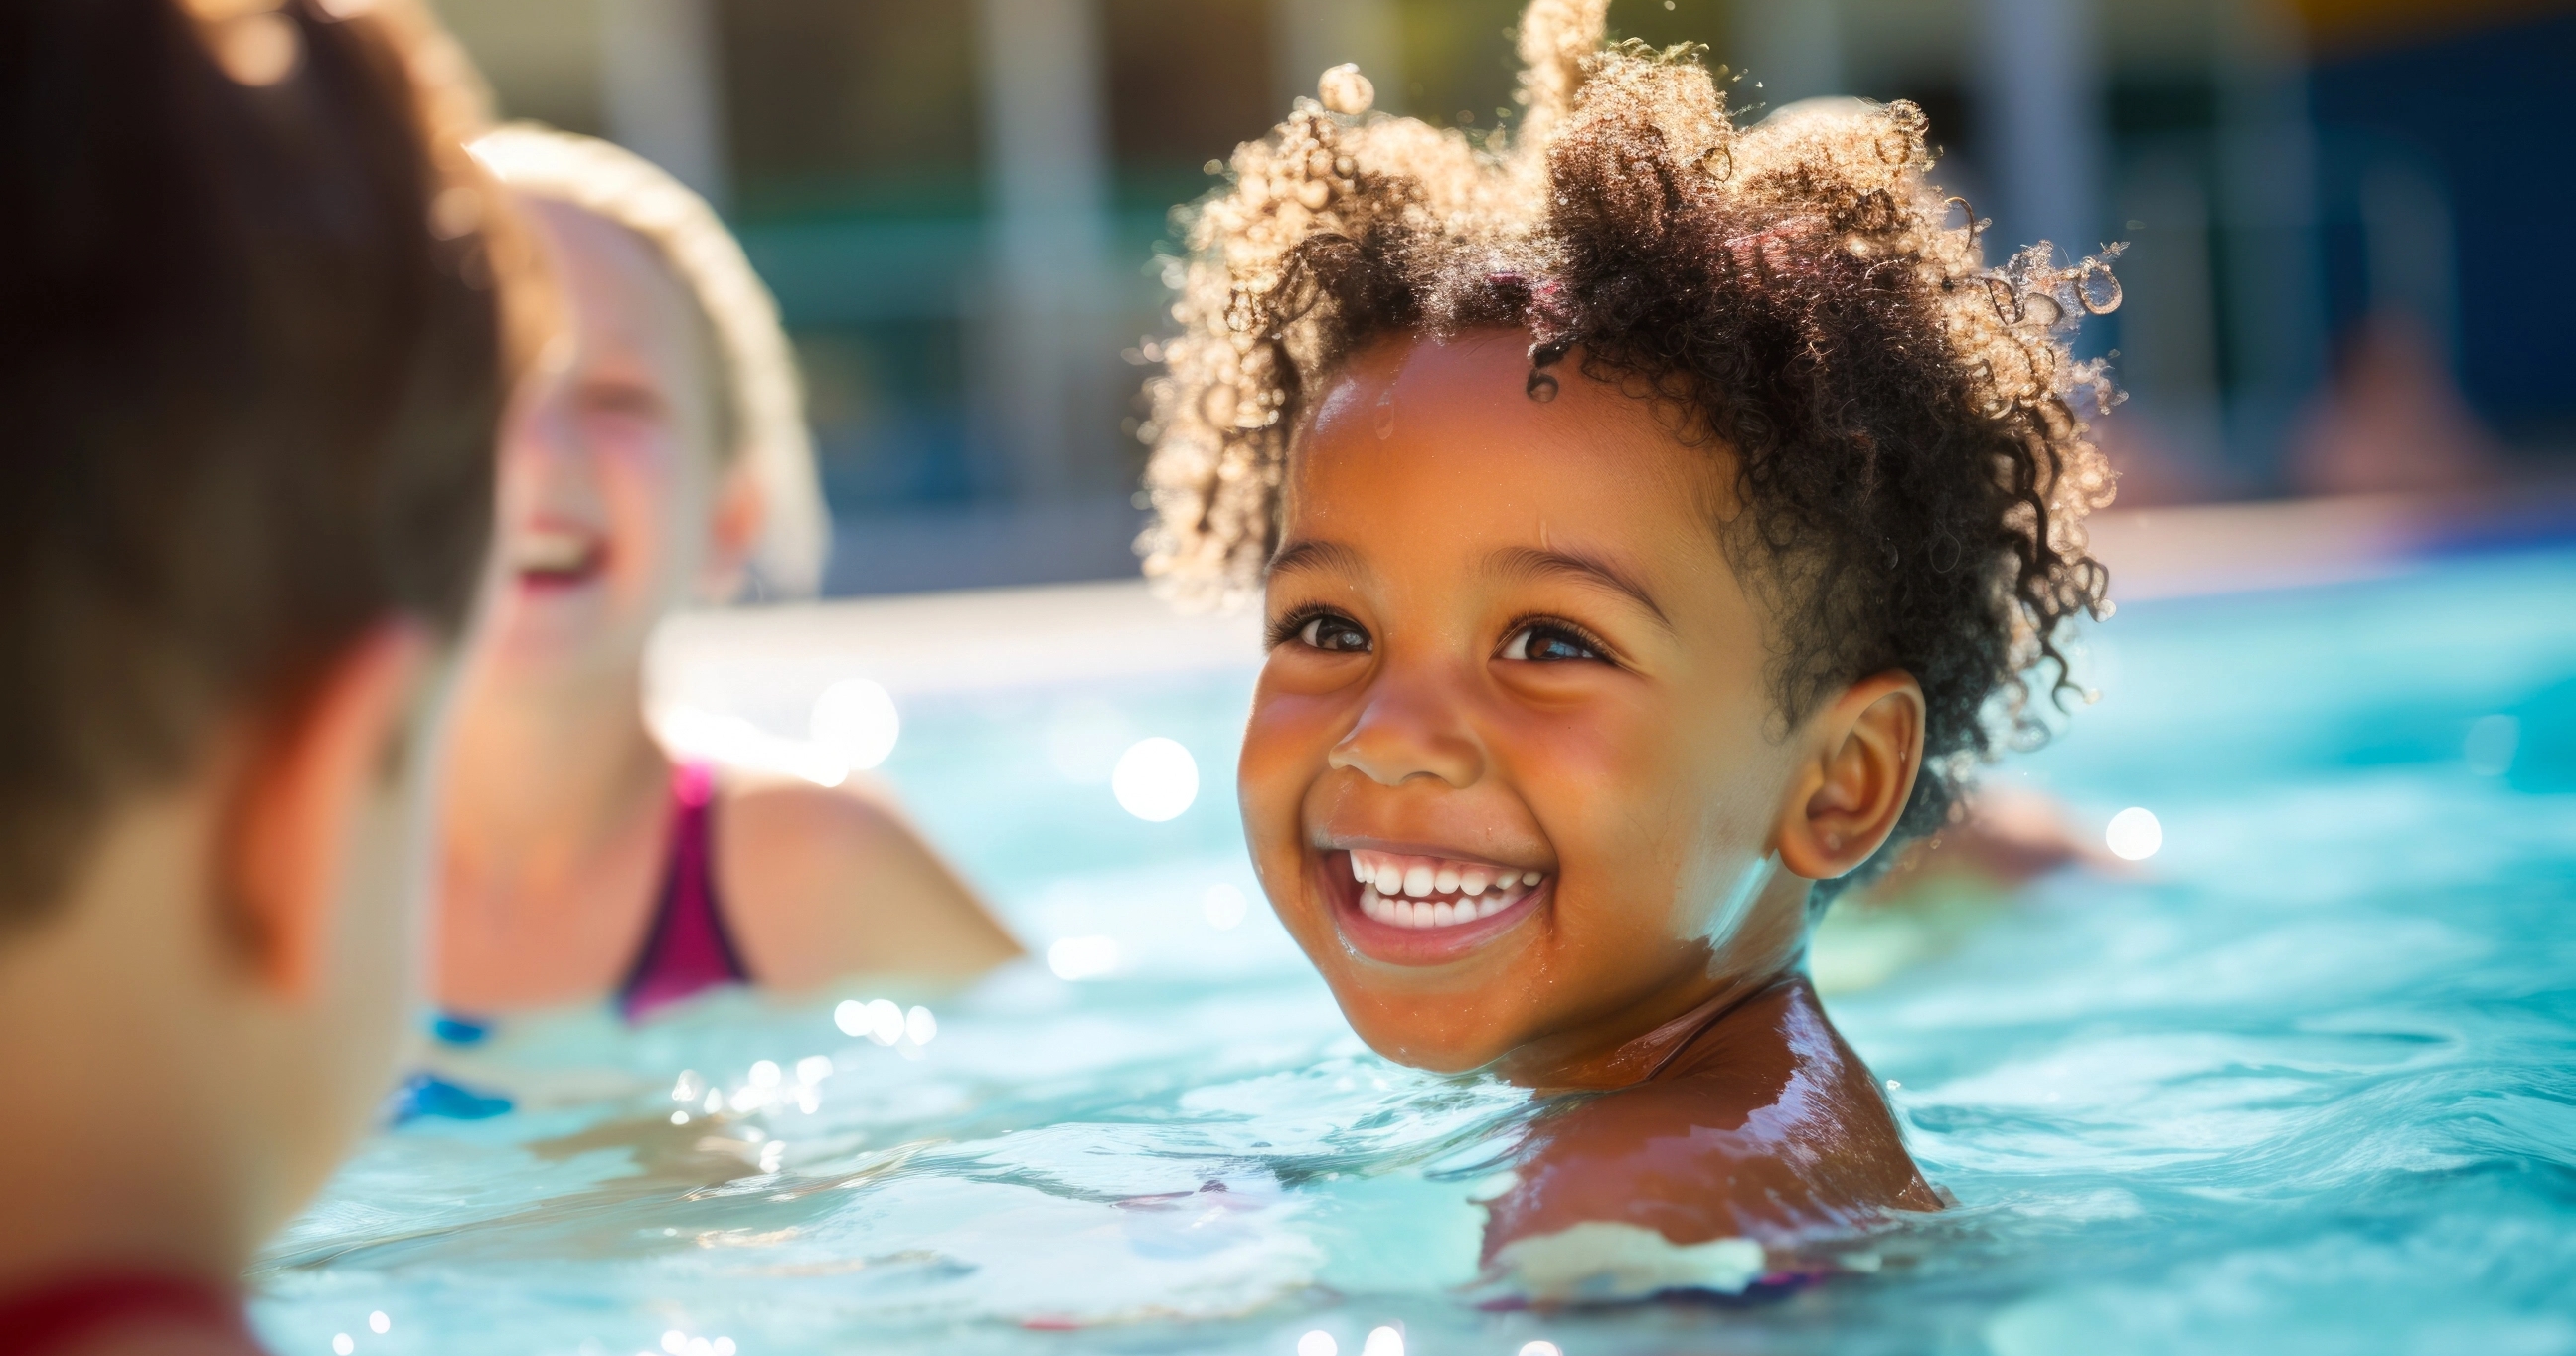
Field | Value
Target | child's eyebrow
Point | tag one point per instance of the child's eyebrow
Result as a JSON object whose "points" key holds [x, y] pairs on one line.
{"points": [[1529, 561], [1313, 553]]}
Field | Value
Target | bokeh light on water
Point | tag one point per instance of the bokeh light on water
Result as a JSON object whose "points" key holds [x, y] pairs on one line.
{"points": [[856, 721], [2134, 834], [1156, 779]]}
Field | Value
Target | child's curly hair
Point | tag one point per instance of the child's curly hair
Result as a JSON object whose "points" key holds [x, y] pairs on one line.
{"points": [[1901, 417]]}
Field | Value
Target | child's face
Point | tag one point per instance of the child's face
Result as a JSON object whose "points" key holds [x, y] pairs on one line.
{"points": [[609, 469], [1510, 646]]}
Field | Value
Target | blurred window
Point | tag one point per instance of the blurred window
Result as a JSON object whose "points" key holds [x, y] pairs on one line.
{"points": [[851, 103]]}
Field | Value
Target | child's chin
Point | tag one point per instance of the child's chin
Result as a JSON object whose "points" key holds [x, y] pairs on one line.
{"points": [[1420, 1044]]}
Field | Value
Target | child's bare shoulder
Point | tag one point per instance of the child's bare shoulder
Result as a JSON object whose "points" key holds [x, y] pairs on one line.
{"points": [[1764, 1127], [823, 882], [796, 818]]}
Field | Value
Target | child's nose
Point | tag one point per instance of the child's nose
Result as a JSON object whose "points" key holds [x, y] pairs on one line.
{"points": [[1410, 728], [540, 430]]}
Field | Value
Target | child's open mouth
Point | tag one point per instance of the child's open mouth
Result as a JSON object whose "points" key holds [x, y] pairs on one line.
{"points": [[1418, 909], [552, 557]]}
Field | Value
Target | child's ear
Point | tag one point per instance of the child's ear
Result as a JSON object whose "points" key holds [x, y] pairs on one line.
{"points": [[1862, 755], [301, 798], [741, 510]]}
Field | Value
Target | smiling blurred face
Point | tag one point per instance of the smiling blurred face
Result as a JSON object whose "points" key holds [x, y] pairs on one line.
{"points": [[608, 459], [1508, 776]]}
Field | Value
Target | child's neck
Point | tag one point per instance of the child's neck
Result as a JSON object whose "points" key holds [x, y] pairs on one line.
{"points": [[556, 819], [106, 1003], [1643, 1040], [94, 1201], [539, 782], [1655, 1051]]}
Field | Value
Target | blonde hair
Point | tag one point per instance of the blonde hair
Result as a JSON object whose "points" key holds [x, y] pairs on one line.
{"points": [[763, 397]]}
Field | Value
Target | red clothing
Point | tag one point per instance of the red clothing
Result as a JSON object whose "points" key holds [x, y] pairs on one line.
{"points": [[64, 1313]]}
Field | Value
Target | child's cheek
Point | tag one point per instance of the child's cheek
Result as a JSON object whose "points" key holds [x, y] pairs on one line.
{"points": [[1638, 802], [1285, 743]]}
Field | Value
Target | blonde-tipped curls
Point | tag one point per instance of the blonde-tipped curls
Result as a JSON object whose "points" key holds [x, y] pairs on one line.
{"points": [[1902, 420]]}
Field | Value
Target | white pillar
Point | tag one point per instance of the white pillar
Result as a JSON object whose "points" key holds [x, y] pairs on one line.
{"points": [[2039, 77], [1047, 176], [1793, 48], [1307, 36], [662, 88]]}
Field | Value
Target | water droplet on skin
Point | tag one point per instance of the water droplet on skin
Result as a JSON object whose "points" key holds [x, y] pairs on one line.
{"points": [[1386, 414], [1541, 387]]}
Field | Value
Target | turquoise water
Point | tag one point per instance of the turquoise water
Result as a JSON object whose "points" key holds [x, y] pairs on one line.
{"points": [[2305, 1083]]}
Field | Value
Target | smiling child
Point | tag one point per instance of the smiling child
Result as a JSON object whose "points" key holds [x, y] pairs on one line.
{"points": [[656, 459], [1656, 520]]}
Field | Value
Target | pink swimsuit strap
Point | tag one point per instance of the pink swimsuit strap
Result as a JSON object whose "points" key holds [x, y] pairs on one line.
{"points": [[70, 1310], [688, 950]]}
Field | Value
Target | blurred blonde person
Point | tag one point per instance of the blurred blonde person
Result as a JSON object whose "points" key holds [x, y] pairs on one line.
{"points": [[656, 459]]}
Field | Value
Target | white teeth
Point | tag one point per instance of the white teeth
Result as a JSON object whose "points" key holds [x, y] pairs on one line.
{"points": [[1430, 892], [552, 551]]}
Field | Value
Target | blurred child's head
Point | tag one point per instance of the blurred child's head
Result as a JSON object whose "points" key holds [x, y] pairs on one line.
{"points": [[658, 455], [1656, 518], [251, 358]]}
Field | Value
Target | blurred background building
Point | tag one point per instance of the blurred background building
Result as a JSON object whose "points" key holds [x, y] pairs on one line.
{"points": [[2339, 212]]}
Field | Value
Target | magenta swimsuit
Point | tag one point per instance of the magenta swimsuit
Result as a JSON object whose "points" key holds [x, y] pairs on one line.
{"points": [[688, 950]]}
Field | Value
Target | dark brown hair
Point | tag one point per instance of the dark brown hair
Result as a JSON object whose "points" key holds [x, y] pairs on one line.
{"points": [[1901, 418], [251, 370]]}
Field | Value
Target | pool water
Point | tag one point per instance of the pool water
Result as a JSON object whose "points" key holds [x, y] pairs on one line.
{"points": [[2304, 1082]]}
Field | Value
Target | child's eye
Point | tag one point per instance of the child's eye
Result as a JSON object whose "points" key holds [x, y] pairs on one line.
{"points": [[1550, 642], [1335, 634]]}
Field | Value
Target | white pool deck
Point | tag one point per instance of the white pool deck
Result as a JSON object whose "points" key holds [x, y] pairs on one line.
{"points": [[973, 640]]}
